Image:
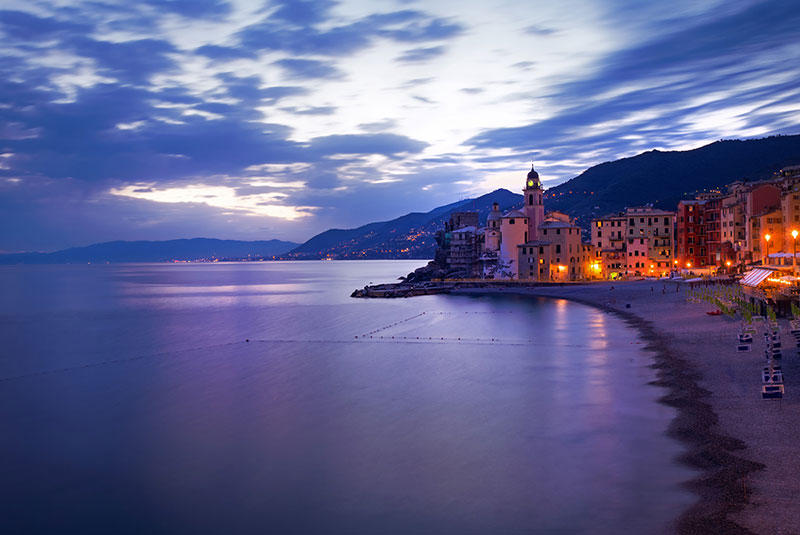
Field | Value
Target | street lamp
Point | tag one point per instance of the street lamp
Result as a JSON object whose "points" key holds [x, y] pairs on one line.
{"points": [[794, 252], [767, 237]]}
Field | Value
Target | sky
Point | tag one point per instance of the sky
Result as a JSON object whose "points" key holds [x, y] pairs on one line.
{"points": [[243, 119]]}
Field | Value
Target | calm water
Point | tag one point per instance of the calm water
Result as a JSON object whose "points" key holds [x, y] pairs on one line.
{"points": [[131, 402]]}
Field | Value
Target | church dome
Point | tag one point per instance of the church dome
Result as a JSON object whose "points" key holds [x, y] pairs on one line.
{"points": [[532, 180], [532, 174]]}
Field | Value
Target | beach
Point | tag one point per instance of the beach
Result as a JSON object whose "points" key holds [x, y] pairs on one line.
{"points": [[745, 446]]}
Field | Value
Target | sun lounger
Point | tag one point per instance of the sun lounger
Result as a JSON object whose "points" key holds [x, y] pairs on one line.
{"points": [[772, 391]]}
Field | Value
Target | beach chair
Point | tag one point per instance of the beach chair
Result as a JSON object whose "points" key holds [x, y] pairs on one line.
{"points": [[775, 378], [772, 391], [745, 338]]}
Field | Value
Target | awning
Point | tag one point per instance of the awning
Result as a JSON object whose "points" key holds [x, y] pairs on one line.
{"points": [[755, 277]]}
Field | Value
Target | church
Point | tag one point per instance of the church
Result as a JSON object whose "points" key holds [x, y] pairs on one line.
{"points": [[520, 244]]}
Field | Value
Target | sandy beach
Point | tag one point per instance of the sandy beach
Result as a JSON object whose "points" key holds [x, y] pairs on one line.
{"points": [[745, 446]]}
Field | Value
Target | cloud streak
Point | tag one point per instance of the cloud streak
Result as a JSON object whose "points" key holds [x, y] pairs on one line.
{"points": [[209, 116]]}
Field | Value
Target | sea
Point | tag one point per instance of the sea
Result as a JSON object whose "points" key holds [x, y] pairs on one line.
{"points": [[261, 398]]}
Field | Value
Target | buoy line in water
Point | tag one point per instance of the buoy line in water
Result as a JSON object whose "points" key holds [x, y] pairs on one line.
{"points": [[406, 320]]}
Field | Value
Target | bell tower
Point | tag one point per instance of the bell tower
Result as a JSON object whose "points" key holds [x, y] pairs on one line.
{"points": [[533, 206]]}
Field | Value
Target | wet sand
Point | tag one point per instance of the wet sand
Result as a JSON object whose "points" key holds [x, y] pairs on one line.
{"points": [[746, 447]]}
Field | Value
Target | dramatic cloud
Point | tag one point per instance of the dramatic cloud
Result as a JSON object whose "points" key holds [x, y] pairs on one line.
{"points": [[176, 118]]}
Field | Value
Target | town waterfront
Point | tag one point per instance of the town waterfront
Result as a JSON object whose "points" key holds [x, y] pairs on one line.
{"points": [[255, 397]]}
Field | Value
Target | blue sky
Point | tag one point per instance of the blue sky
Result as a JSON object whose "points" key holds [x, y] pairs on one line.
{"points": [[163, 119]]}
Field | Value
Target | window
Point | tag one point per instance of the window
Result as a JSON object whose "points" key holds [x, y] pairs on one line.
{"points": [[541, 250], [641, 220], [691, 250], [630, 231], [655, 221], [641, 241], [600, 233], [558, 231], [631, 221], [558, 247], [511, 221], [544, 231]]}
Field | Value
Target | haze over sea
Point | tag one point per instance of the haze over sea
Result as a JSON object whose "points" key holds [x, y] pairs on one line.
{"points": [[131, 402]]}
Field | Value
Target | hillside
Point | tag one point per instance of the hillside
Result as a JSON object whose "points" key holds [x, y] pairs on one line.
{"points": [[664, 178], [408, 236], [154, 251]]}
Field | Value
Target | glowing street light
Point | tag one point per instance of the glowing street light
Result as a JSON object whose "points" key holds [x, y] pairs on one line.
{"points": [[767, 237], [794, 252]]}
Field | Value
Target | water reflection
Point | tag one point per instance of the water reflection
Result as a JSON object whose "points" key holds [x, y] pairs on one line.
{"points": [[491, 414]]}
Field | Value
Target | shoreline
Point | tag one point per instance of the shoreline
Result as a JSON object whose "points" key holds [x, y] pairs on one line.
{"points": [[732, 486]]}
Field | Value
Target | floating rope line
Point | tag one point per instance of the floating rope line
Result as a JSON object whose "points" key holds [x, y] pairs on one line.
{"points": [[393, 325], [406, 320]]}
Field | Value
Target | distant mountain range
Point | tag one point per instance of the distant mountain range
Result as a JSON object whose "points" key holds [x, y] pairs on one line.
{"points": [[156, 251], [409, 236], [661, 178]]}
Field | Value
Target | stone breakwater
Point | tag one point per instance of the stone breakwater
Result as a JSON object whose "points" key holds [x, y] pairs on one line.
{"points": [[404, 289]]}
